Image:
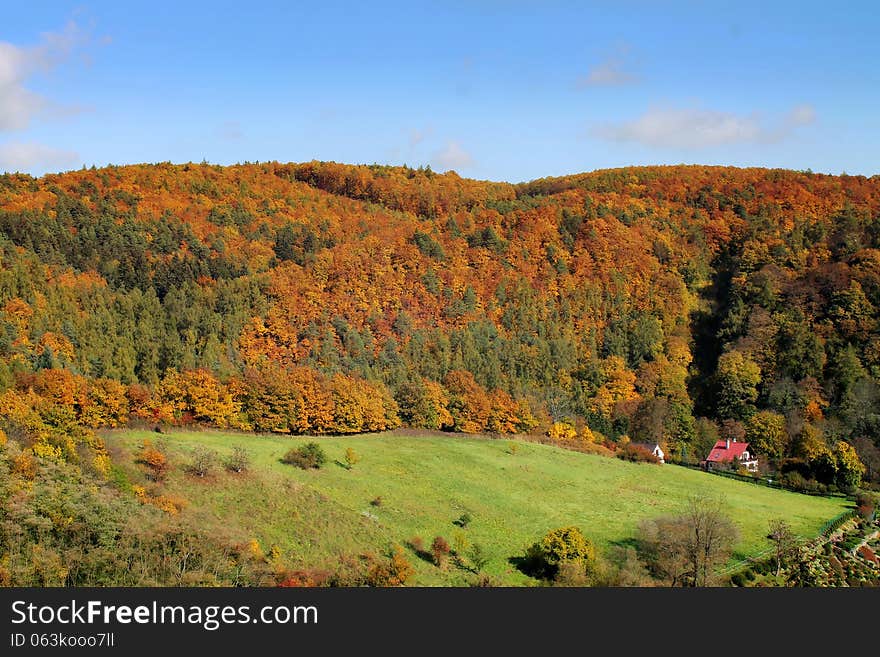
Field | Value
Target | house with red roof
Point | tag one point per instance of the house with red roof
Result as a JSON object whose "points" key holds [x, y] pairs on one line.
{"points": [[726, 453]]}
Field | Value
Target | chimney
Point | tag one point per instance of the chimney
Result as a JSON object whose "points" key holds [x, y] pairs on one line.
{"points": [[728, 443]]}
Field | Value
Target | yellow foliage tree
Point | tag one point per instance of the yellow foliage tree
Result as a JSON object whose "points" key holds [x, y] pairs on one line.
{"points": [[199, 394], [439, 401], [562, 432], [469, 404], [107, 404], [504, 413], [315, 411], [619, 386]]}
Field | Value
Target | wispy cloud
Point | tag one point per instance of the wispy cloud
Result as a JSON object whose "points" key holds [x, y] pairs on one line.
{"points": [[801, 115], [18, 104], [610, 73], [452, 156], [694, 127], [416, 136], [18, 156], [613, 71]]}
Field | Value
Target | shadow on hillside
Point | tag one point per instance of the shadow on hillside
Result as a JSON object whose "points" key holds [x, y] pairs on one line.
{"points": [[529, 566], [421, 552]]}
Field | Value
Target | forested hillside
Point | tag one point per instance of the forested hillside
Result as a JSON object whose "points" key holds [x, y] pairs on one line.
{"points": [[677, 304]]}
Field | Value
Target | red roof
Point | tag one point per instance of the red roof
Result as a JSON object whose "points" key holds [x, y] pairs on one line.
{"points": [[721, 453]]}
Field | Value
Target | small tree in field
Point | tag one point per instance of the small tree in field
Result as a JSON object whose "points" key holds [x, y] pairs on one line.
{"points": [[440, 551], [686, 549], [563, 545], [461, 544], [479, 557], [309, 456], [463, 520], [351, 458], [153, 461], [785, 543], [394, 572], [401, 569], [239, 461], [203, 462]]}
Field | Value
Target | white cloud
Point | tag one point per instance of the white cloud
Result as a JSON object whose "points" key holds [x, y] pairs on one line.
{"points": [[612, 72], [802, 115], [417, 136], [452, 156], [18, 104], [31, 156], [693, 127]]}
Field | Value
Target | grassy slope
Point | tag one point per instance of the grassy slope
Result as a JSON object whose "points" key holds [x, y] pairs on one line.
{"points": [[427, 482]]}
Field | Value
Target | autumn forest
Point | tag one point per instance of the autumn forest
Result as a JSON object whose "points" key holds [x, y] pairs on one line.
{"points": [[671, 304]]}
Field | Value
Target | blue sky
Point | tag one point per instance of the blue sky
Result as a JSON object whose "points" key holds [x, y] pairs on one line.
{"points": [[494, 90]]}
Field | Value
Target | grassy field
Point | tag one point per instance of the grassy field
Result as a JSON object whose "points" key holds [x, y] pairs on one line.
{"points": [[426, 483]]}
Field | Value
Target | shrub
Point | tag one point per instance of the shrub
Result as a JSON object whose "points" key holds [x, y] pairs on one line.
{"points": [[401, 569], [417, 543], [865, 504], [562, 432], [351, 458], [395, 572], [623, 568], [203, 462], [563, 544], [463, 520], [636, 454], [309, 456], [571, 573], [303, 578], [440, 551], [239, 460], [153, 461], [479, 557], [485, 581]]}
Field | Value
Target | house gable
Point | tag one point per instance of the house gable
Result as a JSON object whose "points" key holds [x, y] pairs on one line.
{"points": [[725, 451]]}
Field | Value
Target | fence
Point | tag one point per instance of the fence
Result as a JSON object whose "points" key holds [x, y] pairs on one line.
{"points": [[827, 529], [739, 565], [836, 522]]}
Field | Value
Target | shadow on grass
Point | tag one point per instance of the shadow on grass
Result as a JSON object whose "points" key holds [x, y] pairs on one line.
{"points": [[462, 521], [530, 566], [421, 552], [301, 466]]}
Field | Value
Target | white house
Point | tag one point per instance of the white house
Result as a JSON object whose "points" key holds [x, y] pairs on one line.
{"points": [[725, 453], [654, 448]]}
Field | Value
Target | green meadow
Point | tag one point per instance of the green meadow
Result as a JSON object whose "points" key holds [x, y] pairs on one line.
{"points": [[406, 485]]}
